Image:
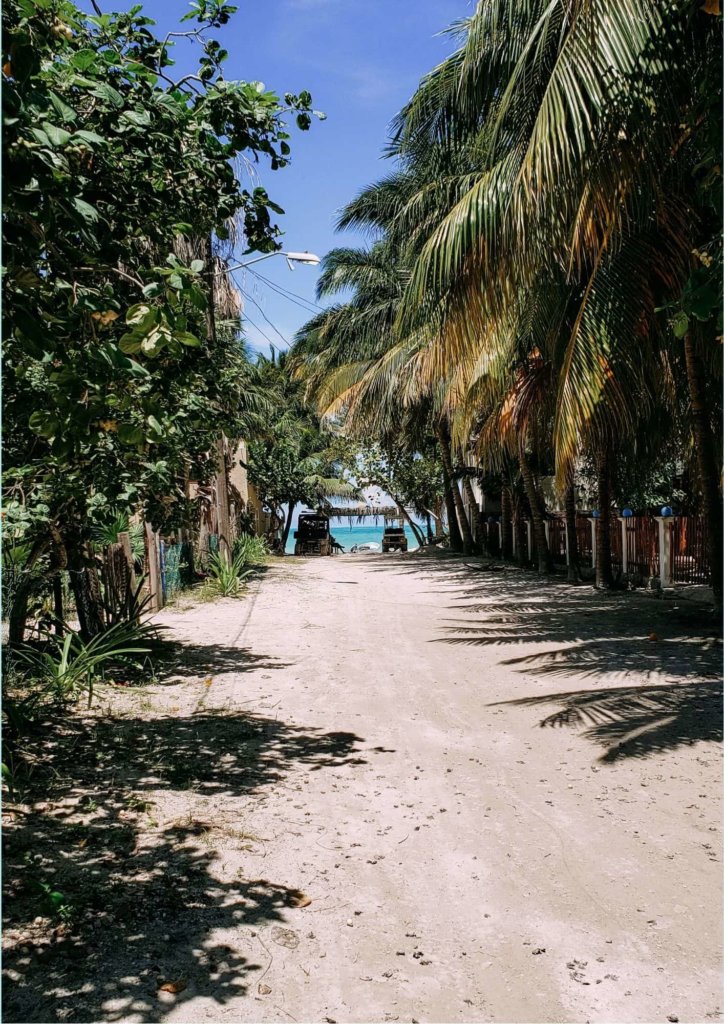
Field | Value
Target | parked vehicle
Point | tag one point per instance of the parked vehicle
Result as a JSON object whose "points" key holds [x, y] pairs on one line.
{"points": [[394, 539], [312, 535]]}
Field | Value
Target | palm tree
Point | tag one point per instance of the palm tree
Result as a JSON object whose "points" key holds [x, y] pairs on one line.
{"points": [[587, 124]]}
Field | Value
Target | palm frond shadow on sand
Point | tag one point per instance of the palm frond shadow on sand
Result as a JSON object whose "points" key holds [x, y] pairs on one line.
{"points": [[636, 721]]}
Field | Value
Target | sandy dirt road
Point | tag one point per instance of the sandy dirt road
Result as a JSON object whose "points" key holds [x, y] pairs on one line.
{"points": [[370, 731]]}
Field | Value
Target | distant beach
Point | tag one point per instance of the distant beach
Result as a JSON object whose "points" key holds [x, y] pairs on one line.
{"points": [[348, 536]]}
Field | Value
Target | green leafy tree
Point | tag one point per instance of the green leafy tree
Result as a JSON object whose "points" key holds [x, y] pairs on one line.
{"points": [[121, 202]]}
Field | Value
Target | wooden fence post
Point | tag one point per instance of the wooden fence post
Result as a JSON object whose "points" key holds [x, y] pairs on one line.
{"points": [[154, 569]]}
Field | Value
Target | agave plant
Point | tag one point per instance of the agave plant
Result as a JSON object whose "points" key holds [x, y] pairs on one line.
{"points": [[226, 575], [65, 669], [250, 549]]}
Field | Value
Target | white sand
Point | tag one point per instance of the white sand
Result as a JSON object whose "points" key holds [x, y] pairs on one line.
{"points": [[463, 863], [458, 837]]}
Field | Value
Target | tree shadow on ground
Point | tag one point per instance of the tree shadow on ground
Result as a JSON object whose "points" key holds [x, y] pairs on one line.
{"points": [[671, 649], [636, 721], [174, 661], [116, 823]]}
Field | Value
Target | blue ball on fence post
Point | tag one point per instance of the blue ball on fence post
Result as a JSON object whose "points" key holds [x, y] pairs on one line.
{"points": [[667, 511], [595, 514], [491, 520], [626, 513]]}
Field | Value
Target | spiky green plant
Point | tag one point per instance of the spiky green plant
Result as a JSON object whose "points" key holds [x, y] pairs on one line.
{"points": [[65, 669], [226, 575]]}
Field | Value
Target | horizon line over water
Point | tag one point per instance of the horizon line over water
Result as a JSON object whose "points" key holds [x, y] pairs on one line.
{"points": [[349, 535]]}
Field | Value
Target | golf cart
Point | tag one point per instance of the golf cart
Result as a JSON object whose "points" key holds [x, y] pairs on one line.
{"points": [[394, 539], [312, 535]]}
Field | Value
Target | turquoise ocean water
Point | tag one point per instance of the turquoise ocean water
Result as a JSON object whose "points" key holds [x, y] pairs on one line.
{"points": [[347, 536]]}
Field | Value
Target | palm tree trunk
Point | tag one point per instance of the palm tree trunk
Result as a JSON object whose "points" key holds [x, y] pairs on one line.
{"points": [[18, 615], [466, 535], [506, 522], [706, 461], [456, 540], [287, 525], [604, 571], [545, 564], [20, 594], [437, 517], [473, 508], [428, 524], [571, 535], [86, 591], [419, 535], [521, 537]]}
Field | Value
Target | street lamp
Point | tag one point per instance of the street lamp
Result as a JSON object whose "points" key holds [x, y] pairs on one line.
{"points": [[307, 258]]}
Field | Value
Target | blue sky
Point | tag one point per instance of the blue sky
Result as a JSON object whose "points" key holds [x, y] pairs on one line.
{"points": [[361, 60]]}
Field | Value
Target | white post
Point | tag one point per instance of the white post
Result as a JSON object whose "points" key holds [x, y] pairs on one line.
{"points": [[500, 537], [529, 530], [593, 522], [664, 549], [624, 546], [565, 542], [547, 533]]}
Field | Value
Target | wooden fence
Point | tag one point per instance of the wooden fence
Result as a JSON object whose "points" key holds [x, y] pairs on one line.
{"points": [[642, 545], [635, 543], [689, 554]]}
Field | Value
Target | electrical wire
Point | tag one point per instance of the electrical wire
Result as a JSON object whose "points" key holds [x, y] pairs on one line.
{"points": [[257, 328], [273, 326], [308, 304]]}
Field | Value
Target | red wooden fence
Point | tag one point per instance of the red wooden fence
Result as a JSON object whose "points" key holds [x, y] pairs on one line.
{"points": [[689, 555]]}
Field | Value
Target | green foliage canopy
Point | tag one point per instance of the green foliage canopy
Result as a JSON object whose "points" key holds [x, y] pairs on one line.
{"points": [[116, 177]]}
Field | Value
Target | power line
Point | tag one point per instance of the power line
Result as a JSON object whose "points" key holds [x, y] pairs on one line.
{"points": [[306, 304], [257, 328], [273, 326]]}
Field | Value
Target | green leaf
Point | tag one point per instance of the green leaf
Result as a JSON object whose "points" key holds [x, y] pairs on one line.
{"points": [[130, 343], [137, 314], [137, 370], [57, 136], [65, 112], [106, 92], [43, 423], [87, 212], [84, 59], [128, 433], [153, 289], [680, 324], [155, 425], [84, 136], [190, 340], [138, 117], [197, 266], [197, 298], [40, 136]]}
